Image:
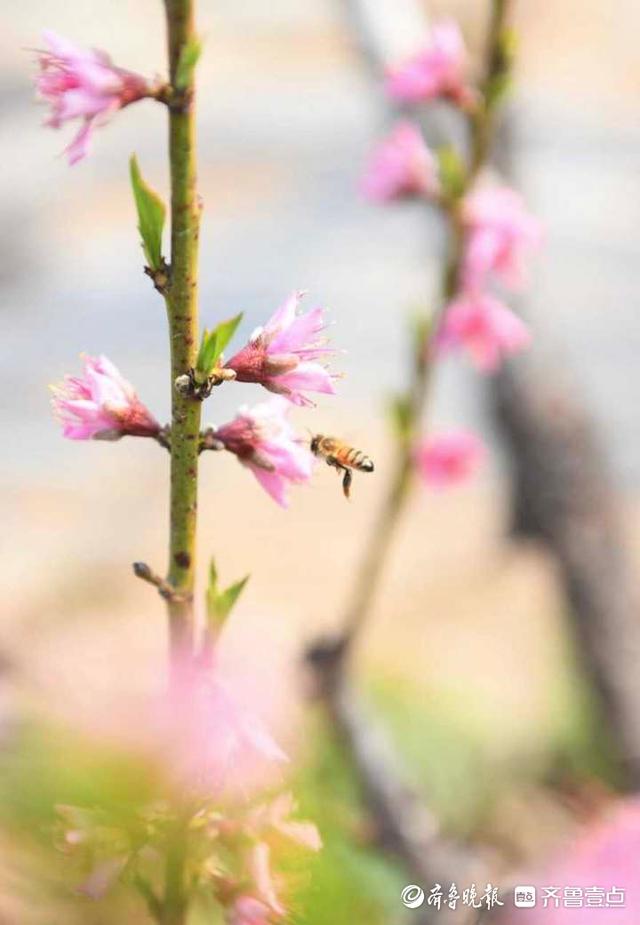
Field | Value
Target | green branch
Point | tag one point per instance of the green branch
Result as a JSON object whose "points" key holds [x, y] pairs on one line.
{"points": [[182, 310], [181, 296]]}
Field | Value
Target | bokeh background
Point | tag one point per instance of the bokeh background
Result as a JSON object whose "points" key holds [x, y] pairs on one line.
{"points": [[467, 654]]}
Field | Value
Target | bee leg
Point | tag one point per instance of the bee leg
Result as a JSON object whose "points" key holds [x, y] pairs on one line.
{"points": [[332, 461], [346, 483]]}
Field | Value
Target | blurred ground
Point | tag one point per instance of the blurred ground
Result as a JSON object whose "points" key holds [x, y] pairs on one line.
{"points": [[286, 121]]}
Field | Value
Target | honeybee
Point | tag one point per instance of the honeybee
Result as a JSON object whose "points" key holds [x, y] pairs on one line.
{"points": [[342, 457]]}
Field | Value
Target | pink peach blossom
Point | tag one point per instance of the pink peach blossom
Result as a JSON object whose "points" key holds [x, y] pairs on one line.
{"points": [[247, 910], [263, 440], [500, 236], [436, 71], [282, 356], [272, 818], [208, 738], [101, 405], [83, 84], [448, 458], [485, 328], [603, 857], [260, 869], [202, 747], [402, 166]]}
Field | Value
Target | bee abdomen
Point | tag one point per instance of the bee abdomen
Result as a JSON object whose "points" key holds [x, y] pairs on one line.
{"points": [[358, 460]]}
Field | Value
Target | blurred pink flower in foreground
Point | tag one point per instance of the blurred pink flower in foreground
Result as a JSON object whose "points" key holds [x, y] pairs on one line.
{"points": [[500, 236], [448, 458], [438, 70], [263, 903], [201, 747], [249, 911], [101, 405], [484, 327], [401, 166], [263, 439], [282, 356], [207, 737], [604, 857], [216, 748], [83, 84]]}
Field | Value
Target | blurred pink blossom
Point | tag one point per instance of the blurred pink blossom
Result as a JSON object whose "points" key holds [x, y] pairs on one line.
{"points": [[202, 747], [221, 751], [436, 71], [101, 405], [83, 84], [282, 356], [263, 902], [604, 856], [448, 458], [263, 440], [484, 327], [247, 910], [500, 236], [208, 738], [260, 869], [401, 166]]}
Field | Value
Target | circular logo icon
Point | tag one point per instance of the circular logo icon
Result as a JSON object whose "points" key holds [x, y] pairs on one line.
{"points": [[412, 896]]}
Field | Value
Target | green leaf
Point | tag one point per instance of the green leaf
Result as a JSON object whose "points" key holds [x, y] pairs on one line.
{"points": [[227, 600], [212, 345], [225, 331], [186, 63], [221, 603], [452, 171], [213, 575], [151, 214]]}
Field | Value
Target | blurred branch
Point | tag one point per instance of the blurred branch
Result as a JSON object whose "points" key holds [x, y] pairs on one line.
{"points": [[404, 824]]}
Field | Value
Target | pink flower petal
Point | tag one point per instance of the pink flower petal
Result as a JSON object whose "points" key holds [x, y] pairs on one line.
{"points": [[500, 236], [401, 166], [83, 84], [448, 458], [485, 328], [437, 70], [280, 355], [263, 440], [101, 405]]}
